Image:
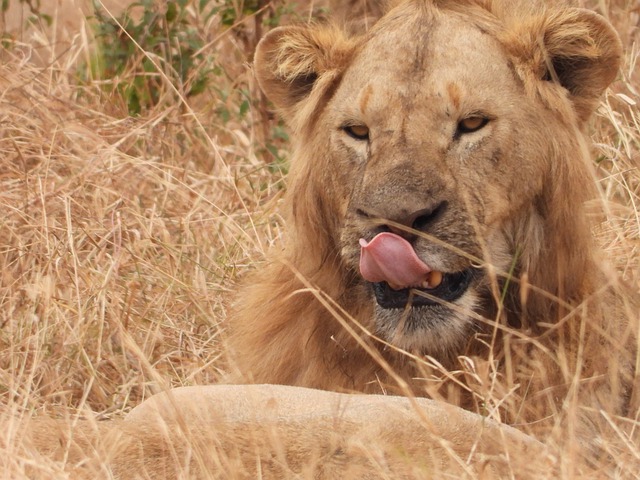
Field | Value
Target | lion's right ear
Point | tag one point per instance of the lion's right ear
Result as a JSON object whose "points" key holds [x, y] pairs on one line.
{"points": [[293, 63]]}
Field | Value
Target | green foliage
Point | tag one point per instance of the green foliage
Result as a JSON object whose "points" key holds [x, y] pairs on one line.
{"points": [[270, 13], [229, 14], [139, 56], [155, 45]]}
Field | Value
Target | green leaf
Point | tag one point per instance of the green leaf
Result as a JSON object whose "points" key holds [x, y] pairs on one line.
{"points": [[172, 12], [244, 108]]}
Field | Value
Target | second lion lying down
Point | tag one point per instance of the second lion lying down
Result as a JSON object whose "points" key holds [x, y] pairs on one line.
{"points": [[437, 239]]}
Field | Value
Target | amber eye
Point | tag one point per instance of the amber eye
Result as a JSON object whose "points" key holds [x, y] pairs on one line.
{"points": [[472, 124], [359, 132]]}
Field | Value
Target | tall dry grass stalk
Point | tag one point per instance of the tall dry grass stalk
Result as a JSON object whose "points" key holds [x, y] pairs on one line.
{"points": [[121, 238]]}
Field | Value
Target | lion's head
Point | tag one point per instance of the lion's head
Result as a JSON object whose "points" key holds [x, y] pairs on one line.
{"points": [[441, 162]]}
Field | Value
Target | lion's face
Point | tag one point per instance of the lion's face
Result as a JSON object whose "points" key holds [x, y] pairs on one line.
{"points": [[436, 145], [435, 148]]}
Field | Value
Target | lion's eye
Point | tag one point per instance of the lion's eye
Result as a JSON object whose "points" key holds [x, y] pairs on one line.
{"points": [[359, 132], [472, 124]]}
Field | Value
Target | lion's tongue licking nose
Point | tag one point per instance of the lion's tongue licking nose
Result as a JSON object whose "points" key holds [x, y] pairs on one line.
{"points": [[390, 258]]}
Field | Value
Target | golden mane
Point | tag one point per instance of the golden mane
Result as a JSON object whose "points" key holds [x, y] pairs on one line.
{"points": [[297, 320]]}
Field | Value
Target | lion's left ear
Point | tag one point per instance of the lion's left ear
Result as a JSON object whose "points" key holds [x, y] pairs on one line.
{"points": [[291, 63], [575, 47]]}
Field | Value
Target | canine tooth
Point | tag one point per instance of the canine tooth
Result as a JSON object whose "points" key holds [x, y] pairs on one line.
{"points": [[435, 279], [425, 284]]}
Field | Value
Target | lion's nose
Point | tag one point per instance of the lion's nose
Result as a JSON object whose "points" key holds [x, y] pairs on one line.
{"points": [[419, 220], [422, 219]]}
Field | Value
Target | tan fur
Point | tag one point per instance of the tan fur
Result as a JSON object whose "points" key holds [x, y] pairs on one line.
{"points": [[280, 432], [544, 337]]}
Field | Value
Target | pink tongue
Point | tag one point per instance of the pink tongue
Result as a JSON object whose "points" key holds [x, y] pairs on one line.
{"points": [[390, 258]]}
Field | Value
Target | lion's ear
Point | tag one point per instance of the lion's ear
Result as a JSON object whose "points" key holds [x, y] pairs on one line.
{"points": [[578, 49], [290, 62]]}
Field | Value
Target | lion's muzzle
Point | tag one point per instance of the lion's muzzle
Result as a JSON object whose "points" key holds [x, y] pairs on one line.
{"points": [[401, 278]]}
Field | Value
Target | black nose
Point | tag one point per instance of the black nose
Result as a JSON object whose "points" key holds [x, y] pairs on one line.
{"points": [[421, 219]]}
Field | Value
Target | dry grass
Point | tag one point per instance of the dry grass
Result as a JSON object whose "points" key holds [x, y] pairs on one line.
{"points": [[121, 238]]}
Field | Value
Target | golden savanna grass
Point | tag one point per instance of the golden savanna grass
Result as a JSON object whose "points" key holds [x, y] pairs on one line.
{"points": [[121, 238]]}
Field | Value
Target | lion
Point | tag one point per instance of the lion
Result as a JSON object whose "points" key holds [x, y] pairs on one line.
{"points": [[438, 240], [438, 245], [276, 431]]}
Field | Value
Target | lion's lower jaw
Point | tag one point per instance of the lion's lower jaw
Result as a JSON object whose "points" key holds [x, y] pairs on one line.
{"points": [[434, 330]]}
